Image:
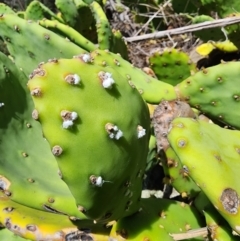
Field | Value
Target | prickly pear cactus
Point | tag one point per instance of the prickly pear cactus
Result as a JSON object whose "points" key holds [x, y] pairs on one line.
{"points": [[207, 34], [22, 37], [5, 9], [151, 89], [213, 91], [158, 219], [69, 33], [98, 128], [174, 170], [177, 175], [171, 66], [37, 11], [224, 46], [69, 12], [39, 225], [218, 228], [28, 171], [202, 148], [5, 234], [104, 31]]}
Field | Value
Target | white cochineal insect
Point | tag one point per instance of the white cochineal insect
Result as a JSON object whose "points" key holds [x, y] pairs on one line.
{"points": [[97, 181]]}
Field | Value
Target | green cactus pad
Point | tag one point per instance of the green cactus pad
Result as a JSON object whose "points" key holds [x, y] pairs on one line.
{"points": [[7, 235], [178, 175], [151, 89], [158, 219], [213, 91], [118, 45], [98, 129], [23, 37], [69, 33], [28, 171], [85, 17], [103, 26], [68, 11], [171, 66], [39, 225], [214, 34], [5, 9], [221, 8], [37, 11], [211, 156]]}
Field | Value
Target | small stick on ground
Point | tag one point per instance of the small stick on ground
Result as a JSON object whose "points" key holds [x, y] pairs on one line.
{"points": [[186, 29]]}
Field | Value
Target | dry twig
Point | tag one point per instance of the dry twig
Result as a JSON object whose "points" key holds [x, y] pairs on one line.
{"points": [[186, 29]]}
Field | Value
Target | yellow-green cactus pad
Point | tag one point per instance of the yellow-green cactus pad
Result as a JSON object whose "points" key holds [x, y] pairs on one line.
{"points": [[211, 157], [43, 226]]}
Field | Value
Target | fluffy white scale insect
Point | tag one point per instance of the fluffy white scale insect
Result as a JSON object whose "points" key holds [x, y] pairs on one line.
{"points": [[67, 123], [118, 135], [108, 82], [141, 132], [86, 58], [74, 115], [77, 79], [97, 181]]}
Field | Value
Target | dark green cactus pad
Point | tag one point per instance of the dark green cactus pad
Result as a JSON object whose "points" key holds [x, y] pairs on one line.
{"points": [[221, 7], [37, 11], [151, 89], [68, 11], [171, 66], [214, 34], [213, 91], [186, 6], [38, 225], [233, 32], [158, 219], [118, 45], [23, 40], [211, 156], [98, 129], [103, 27], [28, 171], [85, 16]]}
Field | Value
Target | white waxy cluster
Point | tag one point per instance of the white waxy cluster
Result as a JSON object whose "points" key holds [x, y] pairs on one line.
{"points": [[73, 79], [68, 118], [1, 104], [113, 131], [86, 58], [97, 180], [141, 132], [76, 79], [106, 78]]}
